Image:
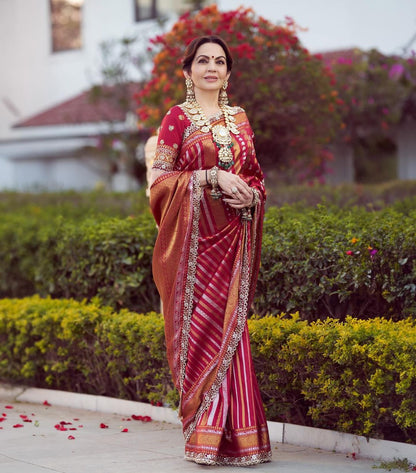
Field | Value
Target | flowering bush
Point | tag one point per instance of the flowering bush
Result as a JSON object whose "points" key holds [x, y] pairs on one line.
{"points": [[287, 92], [374, 89]]}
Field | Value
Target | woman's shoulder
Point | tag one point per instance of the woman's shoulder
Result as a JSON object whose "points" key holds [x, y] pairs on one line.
{"points": [[175, 113]]}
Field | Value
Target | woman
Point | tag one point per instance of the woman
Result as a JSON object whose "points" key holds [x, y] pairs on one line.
{"points": [[207, 197]]}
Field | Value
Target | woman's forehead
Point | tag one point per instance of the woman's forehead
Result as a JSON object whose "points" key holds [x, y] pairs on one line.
{"points": [[210, 49]]}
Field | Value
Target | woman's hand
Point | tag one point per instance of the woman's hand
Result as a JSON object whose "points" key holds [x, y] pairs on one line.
{"points": [[238, 192]]}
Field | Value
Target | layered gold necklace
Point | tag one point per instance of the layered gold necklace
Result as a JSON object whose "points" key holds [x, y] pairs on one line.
{"points": [[221, 134]]}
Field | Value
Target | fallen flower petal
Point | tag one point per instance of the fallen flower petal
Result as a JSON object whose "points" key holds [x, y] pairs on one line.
{"points": [[125, 430], [2, 419], [76, 419], [103, 426], [17, 426], [80, 426], [27, 420], [147, 419], [137, 417], [22, 416], [46, 403], [8, 407], [71, 437]]}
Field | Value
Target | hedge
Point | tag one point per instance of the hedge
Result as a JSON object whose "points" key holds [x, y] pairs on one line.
{"points": [[322, 261], [83, 347], [329, 262], [101, 256], [357, 376]]}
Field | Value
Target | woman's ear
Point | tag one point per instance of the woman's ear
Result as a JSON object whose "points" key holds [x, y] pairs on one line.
{"points": [[186, 74]]}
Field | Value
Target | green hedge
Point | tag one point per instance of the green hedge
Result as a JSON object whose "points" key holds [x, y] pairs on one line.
{"points": [[108, 257], [329, 262], [357, 376], [80, 347], [310, 262]]}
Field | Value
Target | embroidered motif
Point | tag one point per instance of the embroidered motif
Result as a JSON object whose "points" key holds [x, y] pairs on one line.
{"points": [[165, 157]]}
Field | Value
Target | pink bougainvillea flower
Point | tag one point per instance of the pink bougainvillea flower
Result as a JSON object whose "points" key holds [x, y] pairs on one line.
{"points": [[46, 403], [27, 420], [396, 71], [137, 417], [147, 419], [349, 252], [23, 416], [2, 419], [354, 456], [103, 426], [76, 419], [71, 437], [8, 407], [17, 426], [125, 430]]}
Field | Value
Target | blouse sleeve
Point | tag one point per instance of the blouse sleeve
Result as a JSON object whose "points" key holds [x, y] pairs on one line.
{"points": [[169, 140]]}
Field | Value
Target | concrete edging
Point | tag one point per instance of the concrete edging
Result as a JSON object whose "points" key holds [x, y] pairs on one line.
{"points": [[323, 439]]}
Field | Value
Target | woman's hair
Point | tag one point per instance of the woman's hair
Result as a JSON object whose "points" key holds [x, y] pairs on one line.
{"points": [[196, 43]]}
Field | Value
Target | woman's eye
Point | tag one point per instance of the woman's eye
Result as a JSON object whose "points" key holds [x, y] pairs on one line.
{"points": [[221, 62], [202, 61]]}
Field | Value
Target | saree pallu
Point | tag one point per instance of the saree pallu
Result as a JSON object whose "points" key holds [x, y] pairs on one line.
{"points": [[205, 264]]}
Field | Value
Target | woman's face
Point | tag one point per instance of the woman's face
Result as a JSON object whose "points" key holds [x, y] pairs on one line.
{"points": [[209, 67]]}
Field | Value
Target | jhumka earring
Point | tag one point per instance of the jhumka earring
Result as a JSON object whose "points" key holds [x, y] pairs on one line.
{"points": [[190, 94], [223, 98]]}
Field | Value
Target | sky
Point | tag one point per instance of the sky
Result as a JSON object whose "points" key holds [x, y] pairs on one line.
{"points": [[387, 25]]}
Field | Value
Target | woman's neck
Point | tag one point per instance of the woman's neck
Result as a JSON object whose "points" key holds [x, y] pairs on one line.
{"points": [[208, 101]]}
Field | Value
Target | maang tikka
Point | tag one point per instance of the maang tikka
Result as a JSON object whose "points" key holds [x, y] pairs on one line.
{"points": [[223, 98], [190, 94]]}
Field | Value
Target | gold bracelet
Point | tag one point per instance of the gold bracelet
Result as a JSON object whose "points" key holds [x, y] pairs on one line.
{"points": [[215, 191], [256, 197]]}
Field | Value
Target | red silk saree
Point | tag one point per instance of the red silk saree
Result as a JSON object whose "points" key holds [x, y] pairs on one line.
{"points": [[205, 265]]}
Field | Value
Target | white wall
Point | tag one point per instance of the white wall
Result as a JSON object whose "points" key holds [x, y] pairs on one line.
{"points": [[33, 78]]}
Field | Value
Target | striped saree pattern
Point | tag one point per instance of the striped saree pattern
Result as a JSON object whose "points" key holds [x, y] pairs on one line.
{"points": [[205, 265]]}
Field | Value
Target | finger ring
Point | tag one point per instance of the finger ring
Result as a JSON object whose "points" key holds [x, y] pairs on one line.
{"points": [[234, 190]]}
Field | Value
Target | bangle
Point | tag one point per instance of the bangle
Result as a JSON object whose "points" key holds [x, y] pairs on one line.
{"points": [[256, 197], [206, 176], [215, 192]]}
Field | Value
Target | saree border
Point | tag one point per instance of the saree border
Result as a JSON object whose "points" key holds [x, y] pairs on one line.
{"points": [[190, 279]]}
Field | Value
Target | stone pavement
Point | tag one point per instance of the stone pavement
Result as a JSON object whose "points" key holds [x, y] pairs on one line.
{"points": [[113, 443]]}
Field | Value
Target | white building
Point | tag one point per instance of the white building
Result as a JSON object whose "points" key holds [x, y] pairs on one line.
{"points": [[50, 51]]}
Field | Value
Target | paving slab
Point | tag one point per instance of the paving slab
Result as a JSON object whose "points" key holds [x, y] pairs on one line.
{"points": [[114, 443]]}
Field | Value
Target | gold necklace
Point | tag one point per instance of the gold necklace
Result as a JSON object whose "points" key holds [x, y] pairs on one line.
{"points": [[221, 134]]}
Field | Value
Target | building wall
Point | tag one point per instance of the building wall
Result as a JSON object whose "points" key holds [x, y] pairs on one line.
{"points": [[33, 78], [406, 147]]}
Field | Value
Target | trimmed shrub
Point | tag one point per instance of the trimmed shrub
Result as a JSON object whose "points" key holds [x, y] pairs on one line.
{"points": [[328, 262], [322, 261], [101, 256], [80, 347], [357, 376]]}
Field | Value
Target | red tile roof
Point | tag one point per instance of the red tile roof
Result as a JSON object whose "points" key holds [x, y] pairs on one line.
{"points": [[109, 105]]}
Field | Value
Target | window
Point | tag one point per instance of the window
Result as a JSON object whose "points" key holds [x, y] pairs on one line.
{"points": [[66, 16], [145, 9]]}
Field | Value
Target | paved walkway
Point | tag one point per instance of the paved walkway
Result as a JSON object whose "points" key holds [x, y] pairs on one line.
{"points": [[99, 444]]}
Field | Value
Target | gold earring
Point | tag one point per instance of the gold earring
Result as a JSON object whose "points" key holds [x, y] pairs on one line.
{"points": [[190, 94], [223, 98]]}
